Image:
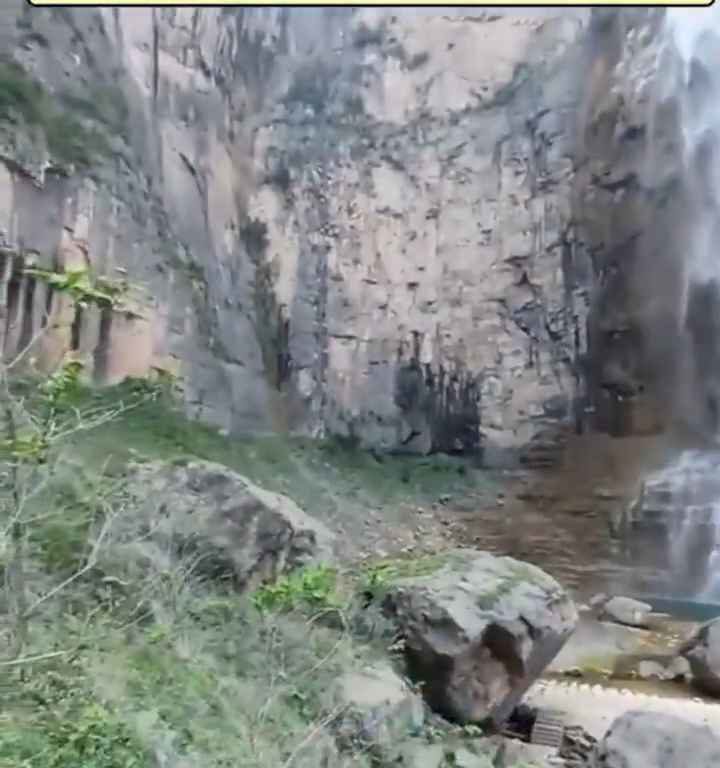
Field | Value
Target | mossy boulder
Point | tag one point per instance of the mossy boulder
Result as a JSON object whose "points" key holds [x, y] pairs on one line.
{"points": [[478, 631], [230, 529]]}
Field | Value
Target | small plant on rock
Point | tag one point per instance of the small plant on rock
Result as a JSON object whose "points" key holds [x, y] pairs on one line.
{"points": [[313, 587]]}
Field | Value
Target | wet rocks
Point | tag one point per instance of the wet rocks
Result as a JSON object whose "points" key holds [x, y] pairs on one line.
{"points": [[625, 610], [702, 651], [668, 669], [669, 530], [653, 740], [228, 527], [478, 632]]}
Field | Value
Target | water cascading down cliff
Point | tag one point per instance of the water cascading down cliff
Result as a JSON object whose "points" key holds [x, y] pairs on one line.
{"points": [[677, 515]]}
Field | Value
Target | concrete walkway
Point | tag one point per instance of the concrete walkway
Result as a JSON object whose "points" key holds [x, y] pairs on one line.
{"points": [[594, 707]]}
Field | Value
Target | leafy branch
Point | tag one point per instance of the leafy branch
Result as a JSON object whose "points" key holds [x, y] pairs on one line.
{"points": [[84, 288], [34, 425]]}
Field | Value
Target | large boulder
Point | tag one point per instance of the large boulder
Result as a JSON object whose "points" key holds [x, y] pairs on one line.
{"points": [[702, 651], [654, 740], [478, 631], [216, 521]]}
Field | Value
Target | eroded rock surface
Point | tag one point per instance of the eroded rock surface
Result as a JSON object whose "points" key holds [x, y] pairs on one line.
{"points": [[479, 631]]}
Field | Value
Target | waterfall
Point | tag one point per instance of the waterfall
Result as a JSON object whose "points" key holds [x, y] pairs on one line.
{"points": [[680, 504], [682, 501], [697, 45], [693, 34]]}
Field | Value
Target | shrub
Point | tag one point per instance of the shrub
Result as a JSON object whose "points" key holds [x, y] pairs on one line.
{"points": [[69, 141], [312, 587]]}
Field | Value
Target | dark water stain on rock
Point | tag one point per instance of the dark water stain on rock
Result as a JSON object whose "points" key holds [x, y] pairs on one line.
{"points": [[443, 401]]}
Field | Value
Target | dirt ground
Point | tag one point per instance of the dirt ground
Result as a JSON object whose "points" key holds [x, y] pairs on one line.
{"points": [[560, 518]]}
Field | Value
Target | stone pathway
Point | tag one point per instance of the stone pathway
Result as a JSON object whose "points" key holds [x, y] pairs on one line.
{"points": [[594, 707]]}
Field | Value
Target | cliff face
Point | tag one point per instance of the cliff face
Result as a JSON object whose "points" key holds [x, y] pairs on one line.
{"points": [[645, 203], [629, 212], [362, 223]]}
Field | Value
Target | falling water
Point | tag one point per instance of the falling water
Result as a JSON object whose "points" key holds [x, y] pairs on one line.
{"points": [[683, 499], [680, 505], [678, 514], [694, 36]]}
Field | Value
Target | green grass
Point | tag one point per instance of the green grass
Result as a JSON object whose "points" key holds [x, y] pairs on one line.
{"points": [[332, 482], [313, 473], [315, 587], [154, 665], [381, 574], [213, 685]]}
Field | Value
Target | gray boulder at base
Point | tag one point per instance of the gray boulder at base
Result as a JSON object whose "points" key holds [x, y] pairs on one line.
{"points": [[653, 740], [224, 525], [703, 654], [479, 631], [625, 610]]}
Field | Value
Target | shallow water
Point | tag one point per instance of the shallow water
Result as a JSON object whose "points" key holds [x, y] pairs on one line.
{"points": [[688, 609]]}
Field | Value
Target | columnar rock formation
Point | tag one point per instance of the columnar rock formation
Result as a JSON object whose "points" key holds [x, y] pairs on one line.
{"points": [[368, 222]]}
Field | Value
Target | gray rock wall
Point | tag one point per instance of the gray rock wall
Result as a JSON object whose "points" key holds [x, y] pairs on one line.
{"points": [[360, 222]]}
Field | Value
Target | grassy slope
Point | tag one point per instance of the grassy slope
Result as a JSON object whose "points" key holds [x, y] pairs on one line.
{"points": [[312, 473], [169, 669]]}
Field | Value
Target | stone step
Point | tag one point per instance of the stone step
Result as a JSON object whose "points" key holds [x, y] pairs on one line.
{"points": [[548, 728], [594, 707]]}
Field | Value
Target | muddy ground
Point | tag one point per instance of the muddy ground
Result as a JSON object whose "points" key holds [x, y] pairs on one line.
{"points": [[560, 519]]}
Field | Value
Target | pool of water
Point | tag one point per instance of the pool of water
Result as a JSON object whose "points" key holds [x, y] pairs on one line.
{"points": [[684, 609]]}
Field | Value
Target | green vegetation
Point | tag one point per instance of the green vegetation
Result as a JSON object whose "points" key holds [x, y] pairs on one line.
{"points": [[318, 475], [120, 668], [211, 683], [70, 140], [314, 588], [104, 103], [381, 574], [83, 287], [330, 481], [108, 665]]}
